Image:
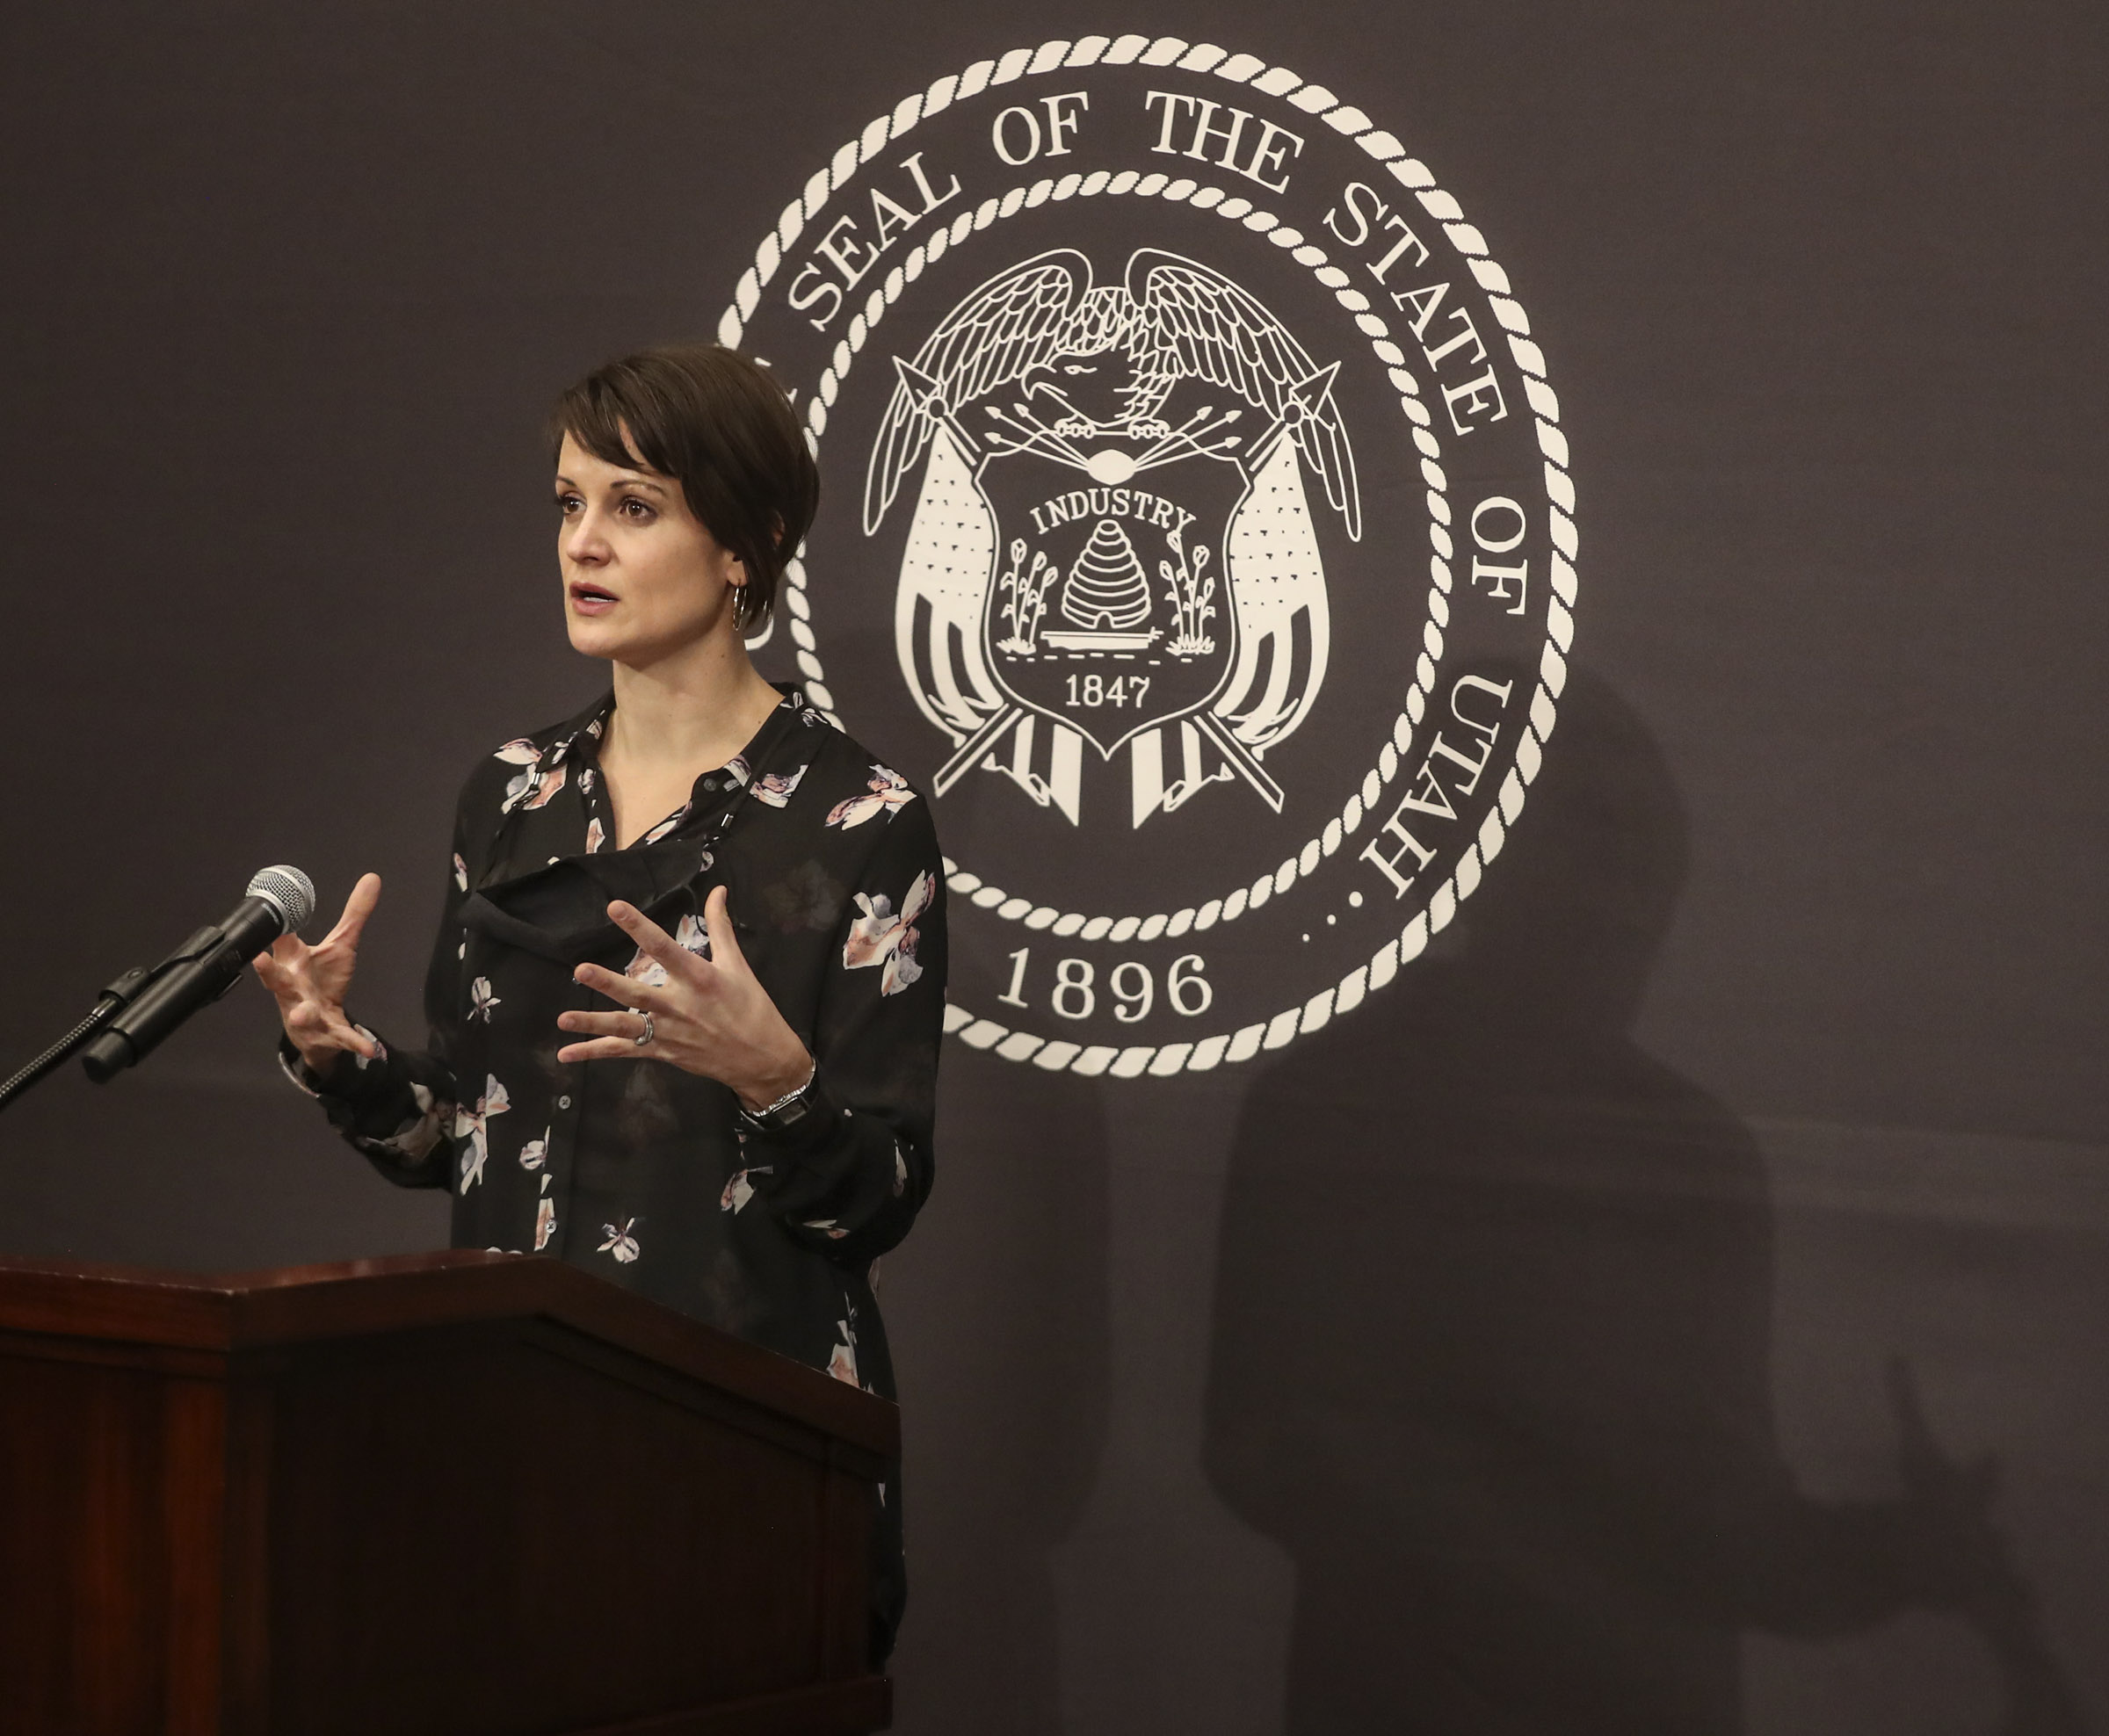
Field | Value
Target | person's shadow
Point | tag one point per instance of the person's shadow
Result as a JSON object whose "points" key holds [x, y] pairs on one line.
{"points": [[1492, 1356]]}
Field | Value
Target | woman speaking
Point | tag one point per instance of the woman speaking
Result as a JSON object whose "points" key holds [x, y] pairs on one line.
{"points": [[687, 997]]}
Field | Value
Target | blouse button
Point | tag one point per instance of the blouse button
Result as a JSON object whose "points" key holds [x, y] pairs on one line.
{"points": [[563, 1103], [710, 783]]}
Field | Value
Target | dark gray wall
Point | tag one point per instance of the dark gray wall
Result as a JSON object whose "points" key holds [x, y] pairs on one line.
{"points": [[1593, 1332]]}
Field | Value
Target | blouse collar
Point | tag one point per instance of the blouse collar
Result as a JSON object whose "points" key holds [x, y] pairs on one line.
{"points": [[589, 727]]}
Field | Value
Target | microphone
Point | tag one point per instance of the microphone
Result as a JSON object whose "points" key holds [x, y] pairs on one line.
{"points": [[201, 970]]}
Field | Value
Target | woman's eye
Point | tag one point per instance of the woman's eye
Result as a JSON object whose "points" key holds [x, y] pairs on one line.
{"points": [[636, 508], [568, 504]]}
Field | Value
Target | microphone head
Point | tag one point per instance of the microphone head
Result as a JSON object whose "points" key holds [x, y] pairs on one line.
{"points": [[289, 890]]}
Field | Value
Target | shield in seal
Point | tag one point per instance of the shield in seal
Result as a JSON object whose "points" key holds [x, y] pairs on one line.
{"points": [[1109, 610], [1162, 405]]}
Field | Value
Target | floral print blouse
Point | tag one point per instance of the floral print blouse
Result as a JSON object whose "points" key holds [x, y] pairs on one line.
{"points": [[638, 1170]]}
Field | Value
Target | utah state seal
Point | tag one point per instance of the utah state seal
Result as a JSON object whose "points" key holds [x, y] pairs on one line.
{"points": [[1210, 555]]}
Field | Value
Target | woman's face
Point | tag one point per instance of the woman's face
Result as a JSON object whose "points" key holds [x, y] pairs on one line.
{"points": [[643, 579]]}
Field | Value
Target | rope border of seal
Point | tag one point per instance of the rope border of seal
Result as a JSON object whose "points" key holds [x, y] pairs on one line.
{"points": [[1163, 1061]]}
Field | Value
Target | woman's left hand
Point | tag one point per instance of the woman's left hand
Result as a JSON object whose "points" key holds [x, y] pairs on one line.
{"points": [[711, 1015]]}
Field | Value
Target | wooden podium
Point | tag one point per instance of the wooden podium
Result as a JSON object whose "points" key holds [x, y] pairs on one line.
{"points": [[459, 1492]]}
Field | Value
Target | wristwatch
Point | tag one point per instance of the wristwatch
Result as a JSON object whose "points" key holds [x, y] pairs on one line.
{"points": [[788, 1111]]}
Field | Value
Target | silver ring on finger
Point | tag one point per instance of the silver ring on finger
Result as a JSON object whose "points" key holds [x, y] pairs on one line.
{"points": [[643, 1038]]}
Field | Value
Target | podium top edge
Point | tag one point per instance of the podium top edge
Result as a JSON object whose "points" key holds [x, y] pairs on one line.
{"points": [[232, 1313], [156, 1278]]}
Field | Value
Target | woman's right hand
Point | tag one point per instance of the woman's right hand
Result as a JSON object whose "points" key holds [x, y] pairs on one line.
{"points": [[310, 982]]}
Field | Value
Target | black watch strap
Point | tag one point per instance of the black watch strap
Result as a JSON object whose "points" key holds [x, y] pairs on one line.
{"points": [[788, 1112]]}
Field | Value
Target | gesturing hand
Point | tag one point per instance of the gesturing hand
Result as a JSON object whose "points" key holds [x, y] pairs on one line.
{"points": [[711, 1015], [308, 983]]}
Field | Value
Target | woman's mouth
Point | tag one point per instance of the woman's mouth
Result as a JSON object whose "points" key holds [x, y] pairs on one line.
{"points": [[587, 598]]}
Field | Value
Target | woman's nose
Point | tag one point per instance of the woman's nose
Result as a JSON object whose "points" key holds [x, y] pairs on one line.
{"points": [[584, 541]]}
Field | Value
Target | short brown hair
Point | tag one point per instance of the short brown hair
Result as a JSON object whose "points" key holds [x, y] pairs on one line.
{"points": [[719, 425]]}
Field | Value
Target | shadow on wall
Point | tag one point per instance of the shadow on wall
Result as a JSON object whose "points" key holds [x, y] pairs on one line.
{"points": [[1491, 1357]]}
